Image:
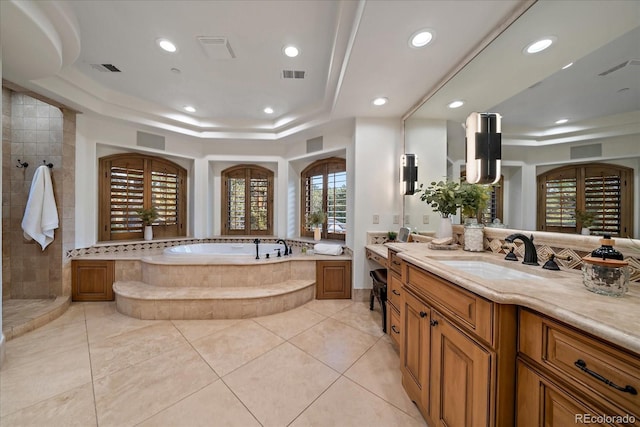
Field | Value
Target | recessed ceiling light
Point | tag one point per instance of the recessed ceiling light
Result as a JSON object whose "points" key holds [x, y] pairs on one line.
{"points": [[291, 51], [421, 38], [567, 66], [539, 45], [190, 109], [561, 121], [456, 104], [380, 101], [268, 110], [166, 45]]}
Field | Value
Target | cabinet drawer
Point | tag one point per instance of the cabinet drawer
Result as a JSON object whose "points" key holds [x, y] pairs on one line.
{"points": [[394, 324], [394, 290], [375, 257], [394, 262], [472, 311], [583, 361]]}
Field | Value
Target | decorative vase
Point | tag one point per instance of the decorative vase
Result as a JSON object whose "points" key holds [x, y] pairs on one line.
{"points": [[473, 235], [148, 232], [445, 229], [316, 233], [586, 231]]}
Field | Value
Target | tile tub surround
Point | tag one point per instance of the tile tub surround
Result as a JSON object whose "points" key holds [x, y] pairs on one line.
{"points": [[188, 373], [215, 287]]}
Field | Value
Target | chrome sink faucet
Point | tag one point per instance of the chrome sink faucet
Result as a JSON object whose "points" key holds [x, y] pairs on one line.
{"points": [[530, 253]]}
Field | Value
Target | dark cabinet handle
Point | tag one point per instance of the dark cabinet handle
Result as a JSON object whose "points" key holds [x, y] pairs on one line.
{"points": [[395, 292], [433, 322], [582, 365], [393, 328], [423, 314]]}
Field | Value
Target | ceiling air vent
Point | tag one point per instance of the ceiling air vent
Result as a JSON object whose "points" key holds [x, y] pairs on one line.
{"points": [[620, 66], [293, 74], [105, 68], [216, 47]]}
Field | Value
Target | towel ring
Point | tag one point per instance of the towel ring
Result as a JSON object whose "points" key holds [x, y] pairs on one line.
{"points": [[49, 165]]}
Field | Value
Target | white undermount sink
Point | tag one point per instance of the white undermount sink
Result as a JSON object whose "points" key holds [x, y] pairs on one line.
{"points": [[487, 270]]}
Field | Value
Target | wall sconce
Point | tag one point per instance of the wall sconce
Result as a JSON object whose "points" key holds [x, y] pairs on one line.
{"points": [[409, 174], [484, 148]]}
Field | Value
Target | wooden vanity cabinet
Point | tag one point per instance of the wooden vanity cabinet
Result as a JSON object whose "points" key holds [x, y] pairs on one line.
{"points": [[92, 280], [457, 353], [594, 376], [333, 279], [415, 350], [541, 402], [394, 292]]}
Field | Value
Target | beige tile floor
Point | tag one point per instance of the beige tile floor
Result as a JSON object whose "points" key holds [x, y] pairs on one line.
{"points": [[326, 363]]}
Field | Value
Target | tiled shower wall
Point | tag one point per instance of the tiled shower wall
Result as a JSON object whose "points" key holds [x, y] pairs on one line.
{"points": [[36, 134]]}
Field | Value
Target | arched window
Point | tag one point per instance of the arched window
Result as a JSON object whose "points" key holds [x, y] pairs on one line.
{"points": [[604, 190], [324, 188], [247, 200], [131, 181]]}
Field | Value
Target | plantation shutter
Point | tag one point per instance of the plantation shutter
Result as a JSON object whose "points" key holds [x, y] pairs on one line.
{"points": [[314, 190], [166, 193], [602, 189], [248, 200], [324, 185], [560, 193], [126, 196], [133, 181], [603, 196], [336, 203]]}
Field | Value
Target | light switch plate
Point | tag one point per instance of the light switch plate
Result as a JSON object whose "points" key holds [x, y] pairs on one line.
{"points": [[376, 219], [406, 220], [396, 219], [425, 219]]}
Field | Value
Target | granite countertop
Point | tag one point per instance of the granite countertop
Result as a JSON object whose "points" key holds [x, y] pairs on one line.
{"points": [[558, 294]]}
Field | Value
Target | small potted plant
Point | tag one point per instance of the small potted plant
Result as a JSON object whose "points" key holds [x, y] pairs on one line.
{"points": [[316, 219], [444, 198], [391, 236], [474, 199], [585, 218], [148, 215]]}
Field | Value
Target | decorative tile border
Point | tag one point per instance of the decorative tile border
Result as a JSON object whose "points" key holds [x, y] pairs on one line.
{"points": [[120, 248], [546, 244]]}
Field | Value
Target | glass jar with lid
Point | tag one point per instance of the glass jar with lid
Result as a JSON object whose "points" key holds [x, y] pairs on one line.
{"points": [[605, 271]]}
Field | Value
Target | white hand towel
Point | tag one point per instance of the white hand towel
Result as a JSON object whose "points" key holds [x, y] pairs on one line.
{"points": [[327, 249], [40, 215]]}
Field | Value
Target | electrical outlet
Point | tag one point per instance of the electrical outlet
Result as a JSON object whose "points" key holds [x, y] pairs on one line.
{"points": [[376, 219], [425, 219], [396, 219], [406, 220]]}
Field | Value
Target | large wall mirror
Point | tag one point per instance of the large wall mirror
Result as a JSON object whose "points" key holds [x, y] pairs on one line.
{"points": [[598, 96]]}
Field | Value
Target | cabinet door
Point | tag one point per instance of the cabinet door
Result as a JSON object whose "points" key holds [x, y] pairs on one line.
{"points": [[541, 403], [460, 377], [92, 280], [333, 279], [414, 350]]}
